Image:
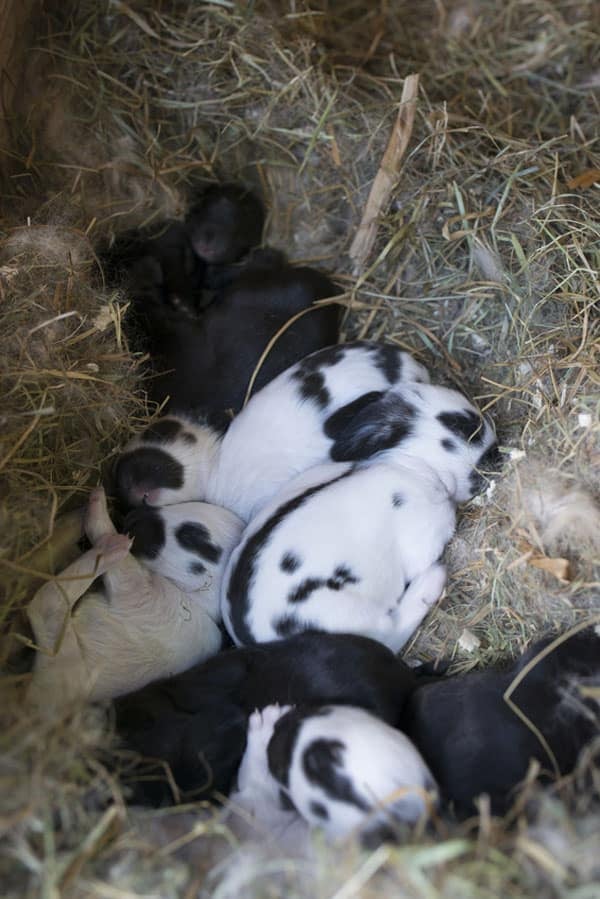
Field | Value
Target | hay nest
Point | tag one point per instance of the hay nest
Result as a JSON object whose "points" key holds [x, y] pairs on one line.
{"points": [[484, 265]]}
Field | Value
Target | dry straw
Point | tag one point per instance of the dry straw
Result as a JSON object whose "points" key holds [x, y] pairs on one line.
{"points": [[484, 264]]}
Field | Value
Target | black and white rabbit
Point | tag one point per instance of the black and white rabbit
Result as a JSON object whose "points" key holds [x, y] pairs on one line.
{"points": [[196, 722], [337, 767], [356, 546], [301, 419]]}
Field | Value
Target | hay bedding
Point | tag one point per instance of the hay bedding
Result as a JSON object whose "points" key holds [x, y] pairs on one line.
{"points": [[485, 266]]}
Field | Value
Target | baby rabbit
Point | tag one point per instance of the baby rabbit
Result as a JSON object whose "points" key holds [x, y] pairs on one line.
{"points": [[475, 743], [224, 223], [237, 327], [196, 722], [355, 547], [339, 768], [204, 366], [136, 627], [160, 271], [342, 548], [289, 426], [187, 543], [202, 357]]}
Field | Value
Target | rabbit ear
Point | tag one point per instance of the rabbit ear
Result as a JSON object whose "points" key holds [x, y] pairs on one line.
{"points": [[188, 543], [337, 423], [466, 424], [372, 423], [147, 527], [283, 742]]}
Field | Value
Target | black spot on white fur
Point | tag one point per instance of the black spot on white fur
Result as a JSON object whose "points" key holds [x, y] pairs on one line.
{"points": [[148, 467], [341, 576], [197, 568], [382, 423], [397, 500], [312, 387], [288, 625], [321, 761], [449, 445], [467, 425], [242, 576], [304, 589], [196, 538], [290, 563], [147, 528], [319, 810], [285, 734], [388, 360], [338, 423], [309, 374]]}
